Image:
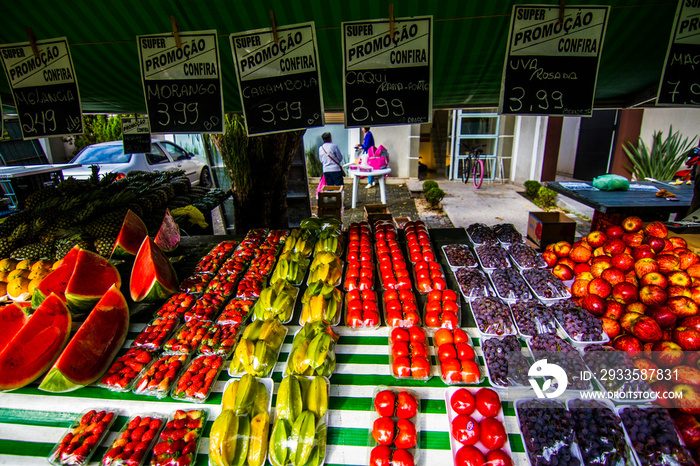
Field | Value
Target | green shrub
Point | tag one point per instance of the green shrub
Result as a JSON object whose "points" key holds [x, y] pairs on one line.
{"points": [[313, 164], [434, 196], [545, 198], [428, 185], [532, 187]]}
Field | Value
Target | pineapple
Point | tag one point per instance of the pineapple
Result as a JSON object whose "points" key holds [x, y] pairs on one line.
{"points": [[66, 244], [37, 197], [104, 245], [7, 245], [34, 251], [108, 224]]}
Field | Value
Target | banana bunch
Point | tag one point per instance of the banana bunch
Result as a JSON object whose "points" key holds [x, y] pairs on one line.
{"points": [[291, 267], [326, 267], [299, 434], [276, 301], [300, 241], [239, 434], [321, 302], [321, 223], [312, 350], [330, 243], [258, 348]]}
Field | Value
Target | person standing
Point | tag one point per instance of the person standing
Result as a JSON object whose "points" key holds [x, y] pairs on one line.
{"points": [[366, 144], [331, 159]]}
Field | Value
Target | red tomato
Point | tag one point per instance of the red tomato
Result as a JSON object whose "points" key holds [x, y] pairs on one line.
{"points": [[350, 284], [371, 319], [419, 350], [380, 456], [367, 273], [400, 334], [450, 306], [433, 306], [439, 283], [449, 320], [424, 285], [470, 372], [488, 403], [366, 284], [463, 402], [402, 458], [353, 295], [355, 305], [384, 402], [443, 336], [411, 319], [449, 295], [432, 265], [417, 335], [370, 306], [402, 367], [406, 405], [420, 368], [353, 272], [451, 371], [383, 431], [400, 349], [460, 336], [402, 273], [421, 265], [403, 283], [393, 305], [465, 429], [422, 274], [405, 434], [369, 295], [394, 318], [465, 351], [434, 296], [498, 458], [447, 351], [469, 456], [406, 296], [410, 306], [354, 318], [432, 319], [493, 434], [428, 256]]}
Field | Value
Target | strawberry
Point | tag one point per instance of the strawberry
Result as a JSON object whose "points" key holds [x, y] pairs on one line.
{"points": [[141, 446], [81, 453], [161, 448], [145, 422], [178, 434], [134, 423], [87, 417], [92, 440], [184, 461], [111, 454], [176, 447], [137, 433], [129, 447], [189, 447], [155, 424]]}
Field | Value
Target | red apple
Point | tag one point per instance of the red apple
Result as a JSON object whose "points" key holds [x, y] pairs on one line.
{"points": [[610, 326], [639, 308], [668, 263], [633, 240], [563, 272], [667, 353], [644, 266], [627, 343], [614, 231], [662, 388], [652, 294], [662, 315], [581, 268], [562, 248], [579, 288], [632, 224], [613, 276], [646, 329], [688, 258], [580, 253], [642, 251], [679, 277], [627, 319], [625, 293], [653, 278], [675, 290], [686, 373], [655, 243], [593, 304], [689, 427], [599, 252], [682, 306], [550, 258], [631, 277], [623, 261], [588, 276], [567, 262], [687, 398], [694, 270], [678, 242], [692, 321], [600, 287], [613, 309], [614, 246], [656, 228], [687, 338], [596, 239], [598, 267], [668, 246]]}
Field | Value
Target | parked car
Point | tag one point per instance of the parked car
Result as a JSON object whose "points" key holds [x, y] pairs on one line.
{"points": [[164, 156]]}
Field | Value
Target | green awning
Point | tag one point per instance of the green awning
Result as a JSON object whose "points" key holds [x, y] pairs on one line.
{"points": [[469, 46]]}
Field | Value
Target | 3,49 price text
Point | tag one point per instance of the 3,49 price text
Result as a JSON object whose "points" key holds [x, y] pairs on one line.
{"points": [[382, 109], [545, 101]]}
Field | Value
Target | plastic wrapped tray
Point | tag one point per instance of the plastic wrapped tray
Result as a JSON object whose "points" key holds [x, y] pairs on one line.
{"points": [[292, 267], [197, 379], [361, 309], [176, 305], [492, 317], [242, 408], [559, 436], [477, 417], [187, 337], [268, 306], [134, 441], [510, 286], [156, 333], [459, 255], [473, 283], [457, 359], [171, 445], [572, 318], [250, 348], [359, 275], [480, 233], [220, 340], [507, 362], [387, 417], [236, 312], [214, 258], [321, 302], [533, 318], [492, 256], [442, 309], [409, 357], [400, 308], [614, 371], [558, 351], [207, 307], [525, 257], [78, 444], [313, 351], [158, 378], [126, 369], [507, 233], [196, 283], [546, 286], [428, 276]]}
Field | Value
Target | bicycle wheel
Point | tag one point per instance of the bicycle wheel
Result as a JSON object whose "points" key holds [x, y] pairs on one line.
{"points": [[466, 169], [478, 173]]}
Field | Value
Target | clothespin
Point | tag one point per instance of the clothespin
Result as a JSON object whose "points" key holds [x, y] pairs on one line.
{"points": [[32, 42], [391, 19], [176, 31], [562, 7], [275, 37]]}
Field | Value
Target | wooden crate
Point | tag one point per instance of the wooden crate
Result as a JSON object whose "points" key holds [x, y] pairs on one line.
{"points": [[331, 197], [374, 212]]}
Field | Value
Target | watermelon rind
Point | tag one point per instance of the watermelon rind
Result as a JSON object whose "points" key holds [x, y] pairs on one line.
{"points": [[168, 236], [36, 346], [152, 275], [57, 280], [130, 236], [92, 276], [93, 347]]}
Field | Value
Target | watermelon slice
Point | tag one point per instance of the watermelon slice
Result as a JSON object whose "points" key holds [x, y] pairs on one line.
{"points": [[93, 347], [152, 277], [57, 280], [168, 236], [130, 236], [36, 346], [92, 276], [12, 318]]}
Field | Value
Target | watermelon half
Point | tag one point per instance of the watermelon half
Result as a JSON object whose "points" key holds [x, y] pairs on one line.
{"points": [[57, 280], [12, 319], [168, 236], [36, 346], [130, 236], [93, 347], [92, 276], [152, 276]]}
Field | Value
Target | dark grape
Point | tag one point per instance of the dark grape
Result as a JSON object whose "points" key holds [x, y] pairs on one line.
{"points": [[507, 233], [533, 318], [557, 351], [599, 433], [602, 359], [525, 256], [459, 255], [545, 284], [473, 282], [492, 256], [510, 284], [492, 316], [481, 234], [580, 325], [506, 364], [548, 432]]}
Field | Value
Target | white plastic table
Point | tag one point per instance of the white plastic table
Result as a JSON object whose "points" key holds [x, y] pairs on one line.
{"points": [[356, 174]]}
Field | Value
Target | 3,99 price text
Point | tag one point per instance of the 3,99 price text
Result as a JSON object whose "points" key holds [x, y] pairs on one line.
{"points": [[543, 101], [381, 108]]}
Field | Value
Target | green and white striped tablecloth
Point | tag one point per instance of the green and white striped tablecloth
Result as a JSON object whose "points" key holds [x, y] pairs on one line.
{"points": [[32, 421]]}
